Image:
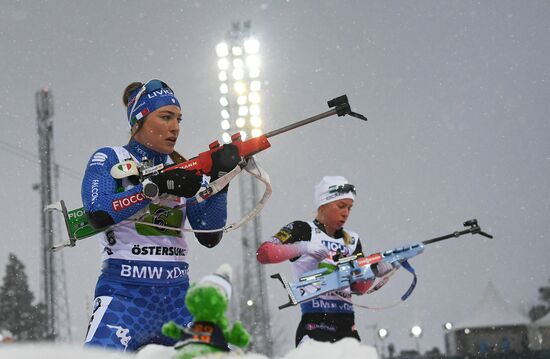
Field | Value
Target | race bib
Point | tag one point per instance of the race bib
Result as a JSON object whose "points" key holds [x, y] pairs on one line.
{"points": [[162, 216]]}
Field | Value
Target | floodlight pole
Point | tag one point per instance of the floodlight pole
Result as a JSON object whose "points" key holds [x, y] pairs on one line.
{"points": [[254, 306]]}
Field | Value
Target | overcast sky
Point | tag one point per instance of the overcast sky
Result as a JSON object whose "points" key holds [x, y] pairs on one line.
{"points": [[457, 96]]}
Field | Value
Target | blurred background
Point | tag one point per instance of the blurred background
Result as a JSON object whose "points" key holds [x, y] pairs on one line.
{"points": [[456, 94]]}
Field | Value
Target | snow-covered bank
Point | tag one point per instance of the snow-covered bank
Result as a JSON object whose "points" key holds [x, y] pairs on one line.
{"points": [[345, 348]]}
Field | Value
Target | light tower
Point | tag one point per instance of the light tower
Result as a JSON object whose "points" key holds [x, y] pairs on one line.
{"points": [[416, 332], [383, 334], [52, 267], [240, 85]]}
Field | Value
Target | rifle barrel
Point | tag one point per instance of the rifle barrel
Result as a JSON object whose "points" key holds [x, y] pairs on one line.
{"points": [[301, 123], [452, 235]]}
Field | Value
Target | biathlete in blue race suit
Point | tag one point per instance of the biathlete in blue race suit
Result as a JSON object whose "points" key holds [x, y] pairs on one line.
{"points": [[144, 274]]}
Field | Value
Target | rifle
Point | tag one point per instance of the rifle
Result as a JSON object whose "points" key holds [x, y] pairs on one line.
{"points": [[202, 164], [76, 221], [357, 267]]}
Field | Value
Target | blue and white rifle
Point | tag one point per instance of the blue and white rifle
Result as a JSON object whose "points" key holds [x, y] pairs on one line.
{"points": [[354, 268]]}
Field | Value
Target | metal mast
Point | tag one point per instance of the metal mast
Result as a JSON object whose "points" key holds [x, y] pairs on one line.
{"points": [[44, 112], [52, 268], [254, 297], [238, 62]]}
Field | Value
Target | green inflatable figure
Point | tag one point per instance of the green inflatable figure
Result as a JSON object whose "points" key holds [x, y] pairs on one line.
{"points": [[209, 333]]}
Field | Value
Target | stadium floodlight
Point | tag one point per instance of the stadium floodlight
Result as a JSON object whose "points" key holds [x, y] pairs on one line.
{"points": [[237, 51], [225, 125], [224, 101], [448, 326], [252, 62], [254, 97], [224, 88], [383, 333], [256, 121], [239, 70], [256, 132], [254, 110], [243, 111], [240, 122], [222, 49], [223, 63], [242, 100], [416, 331], [251, 46], [255, 86], [239, 59], [226, 138], [254, 73], [225, 114], [239, 87], [238, 74], [238, 63]]}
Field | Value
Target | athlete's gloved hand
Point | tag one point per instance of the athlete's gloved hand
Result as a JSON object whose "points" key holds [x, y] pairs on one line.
{"points": [[380, 269], [178, 182], [223, 161], [315, 249]]}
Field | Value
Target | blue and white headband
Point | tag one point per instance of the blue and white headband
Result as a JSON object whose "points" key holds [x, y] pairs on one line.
{"points": [[149, 97]]}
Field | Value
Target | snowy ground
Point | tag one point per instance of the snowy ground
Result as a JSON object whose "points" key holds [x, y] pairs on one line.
{"points": [[345, 348]]}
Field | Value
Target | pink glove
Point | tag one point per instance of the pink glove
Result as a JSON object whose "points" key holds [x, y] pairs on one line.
{"points": [[380, 269]]}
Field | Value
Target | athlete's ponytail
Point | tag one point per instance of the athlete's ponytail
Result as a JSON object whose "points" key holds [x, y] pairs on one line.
{"points": [[125, 98], [128, 90], [347, 237]]}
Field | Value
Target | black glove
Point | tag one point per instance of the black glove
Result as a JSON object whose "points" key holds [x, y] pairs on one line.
{"points": [[178, 182], [224, 160]]}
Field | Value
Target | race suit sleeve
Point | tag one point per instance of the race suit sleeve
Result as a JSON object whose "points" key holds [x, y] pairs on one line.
{"points": [[105, 203], [285, 244], [209, 214]]}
